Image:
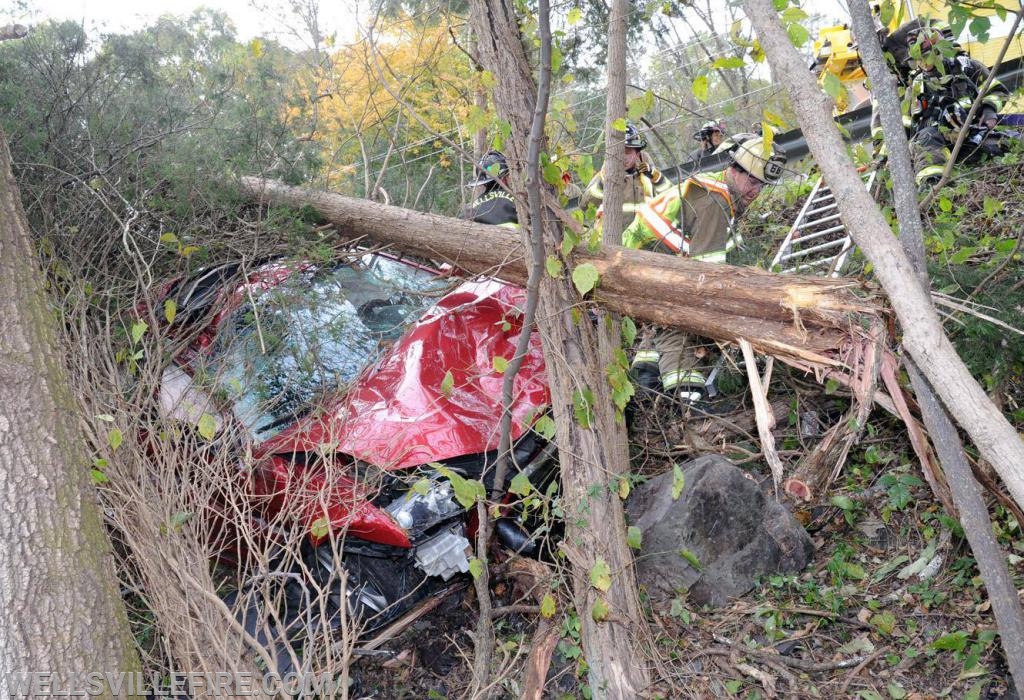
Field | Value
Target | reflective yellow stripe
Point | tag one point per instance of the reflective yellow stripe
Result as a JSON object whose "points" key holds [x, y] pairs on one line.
{"points": [[646, 356], [665, 231], [672, 379], [714, 256]]}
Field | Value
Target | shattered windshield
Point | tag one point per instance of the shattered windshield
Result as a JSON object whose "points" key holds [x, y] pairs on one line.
{"points": [[308, 336]]}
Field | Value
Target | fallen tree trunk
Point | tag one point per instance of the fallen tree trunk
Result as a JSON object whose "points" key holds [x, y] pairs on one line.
{"points": [[808, 322]]}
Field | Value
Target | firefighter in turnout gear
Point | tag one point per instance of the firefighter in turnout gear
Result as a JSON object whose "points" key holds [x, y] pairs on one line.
{"points": [[643, 180], [493, 203], [944, 83], [711, 135], [695, 219]]}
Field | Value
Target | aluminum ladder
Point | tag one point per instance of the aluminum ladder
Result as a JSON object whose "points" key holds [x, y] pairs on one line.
{"points": [[818, 242]]}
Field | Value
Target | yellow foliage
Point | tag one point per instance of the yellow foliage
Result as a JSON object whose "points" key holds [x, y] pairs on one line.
{"points": [[405, 74]]}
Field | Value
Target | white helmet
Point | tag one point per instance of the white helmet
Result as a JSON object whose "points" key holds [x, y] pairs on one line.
{"points": [[765, 164]]}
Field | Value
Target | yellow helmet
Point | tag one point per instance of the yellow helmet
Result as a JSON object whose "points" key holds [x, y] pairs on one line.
{"points": [[765, 163]]}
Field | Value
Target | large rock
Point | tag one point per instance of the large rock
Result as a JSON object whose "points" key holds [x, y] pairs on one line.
{"points": [[723, 518]]}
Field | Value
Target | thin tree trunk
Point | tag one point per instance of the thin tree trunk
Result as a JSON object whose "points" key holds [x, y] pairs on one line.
{"points": [[967, 494], [595, 525], [60, 610], [923, 336]]}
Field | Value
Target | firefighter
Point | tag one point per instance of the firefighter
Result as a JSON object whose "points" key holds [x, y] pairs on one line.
{"points": [[493, 203], [711, 135], [944, 83], [643, 179], [695, 219]]}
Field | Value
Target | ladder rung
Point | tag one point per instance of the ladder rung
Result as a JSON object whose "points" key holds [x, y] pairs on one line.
{"points": [[828, 207], [822, 220], [822, 262], [816, 249], [815, 235]]}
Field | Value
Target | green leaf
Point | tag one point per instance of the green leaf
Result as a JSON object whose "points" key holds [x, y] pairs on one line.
{"points": [[963, 255], [115, 437], [623, 488], [793, 14], [884, 622], [180, 518], [798, 34], [207, 426], [945, 204], [918, 564], [699, 88], [993, 206], [447, 384], [691, 558], [678, 482], [619, 124], [422, 486], [889, 567], [634, 537], [628, 331], [189, 250], [170, 310], [833, 86], [574, 16], [599, 612], [320, 528], [139, 328], [728, 62], [548, 607], [583, 407], [500, 364], [169, 238], [844, 502], [554, 266], [585, 277], [639, 106], [853, 571], [545, 427], [552, 174], [467, 491], [476, 567], [601, 575], [955, 641], [520, 485], [98, 477]]}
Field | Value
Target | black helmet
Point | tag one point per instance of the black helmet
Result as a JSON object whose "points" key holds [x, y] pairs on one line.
{"points": [[707, 129], [634, 139], [492, 166], [928, 32]]}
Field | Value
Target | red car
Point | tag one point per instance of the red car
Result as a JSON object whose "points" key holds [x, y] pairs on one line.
{"points": [[350, 381]]}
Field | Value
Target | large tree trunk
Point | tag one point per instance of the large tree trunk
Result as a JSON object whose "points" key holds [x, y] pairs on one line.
{"points": [[802, 320], [923, 335], [60, 611]]}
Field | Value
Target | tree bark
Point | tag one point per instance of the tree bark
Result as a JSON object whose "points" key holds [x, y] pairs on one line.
{"points": [[923, 335], [595, 526], [60, 610], [802, 320]]}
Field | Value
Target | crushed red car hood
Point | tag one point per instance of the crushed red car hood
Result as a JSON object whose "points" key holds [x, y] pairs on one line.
{"points": [[403, 412]]}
